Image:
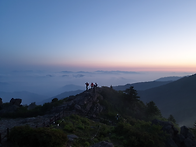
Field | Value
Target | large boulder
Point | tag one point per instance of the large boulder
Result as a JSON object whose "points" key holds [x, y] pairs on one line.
{"points": [[103, 144], [71, 137], [16, 101], [167, 127], [186, 133], [31, 106], [1, 102], [189, 138], [179, 139], [183, 139], [11, 107]]}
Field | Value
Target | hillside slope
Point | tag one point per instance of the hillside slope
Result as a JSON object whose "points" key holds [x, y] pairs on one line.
{"points": [[177, 98], [119, 117]]}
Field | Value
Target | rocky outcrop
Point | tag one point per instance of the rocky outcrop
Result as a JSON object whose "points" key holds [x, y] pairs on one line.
{"points": [[12, 106], [71, 137], [175, 139], [86, 103], [16, 101], [103, 144], [1, 102], [32, 106]]}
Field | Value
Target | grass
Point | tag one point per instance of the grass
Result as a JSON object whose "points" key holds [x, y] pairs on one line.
{"points": [[132, 132]]}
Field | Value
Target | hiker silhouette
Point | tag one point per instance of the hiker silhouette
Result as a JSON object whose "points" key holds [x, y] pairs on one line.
{"points": [[92, 85], [87, 84]]}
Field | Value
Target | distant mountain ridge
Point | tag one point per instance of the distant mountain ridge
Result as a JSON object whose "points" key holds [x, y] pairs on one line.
{"points": [[142, 85], [147, 85], [61, 96], [173, 78], [177, 98], [72, 87], [66, 88], [27, 97]]}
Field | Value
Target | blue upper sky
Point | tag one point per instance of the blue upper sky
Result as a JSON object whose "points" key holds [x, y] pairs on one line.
{"points": [[98, 34]]}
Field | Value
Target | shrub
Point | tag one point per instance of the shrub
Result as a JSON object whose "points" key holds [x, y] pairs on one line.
{"points": [[54, 100], [141, 134], [152, 111], [104, 131], [80, 126], [86, 144], [24, 136], [171, 118], [68, 127]]}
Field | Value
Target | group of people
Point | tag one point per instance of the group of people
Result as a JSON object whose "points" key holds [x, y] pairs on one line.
{"points": [[93, 85]]}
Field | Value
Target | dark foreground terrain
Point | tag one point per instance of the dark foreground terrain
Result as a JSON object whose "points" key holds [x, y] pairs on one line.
{"points": [[100, 117]]}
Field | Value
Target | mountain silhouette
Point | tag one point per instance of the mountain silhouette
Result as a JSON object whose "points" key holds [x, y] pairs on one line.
{"points": [[174, 78], [142, 85], [66, 88], [177, 98], [61, 96]]}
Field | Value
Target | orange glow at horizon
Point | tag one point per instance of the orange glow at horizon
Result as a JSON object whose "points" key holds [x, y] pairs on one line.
{"points": [[133, 67]]}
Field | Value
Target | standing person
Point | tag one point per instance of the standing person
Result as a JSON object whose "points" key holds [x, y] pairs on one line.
{"points": [[95, 84], [92, 85], [95, 87], [87, 84]]}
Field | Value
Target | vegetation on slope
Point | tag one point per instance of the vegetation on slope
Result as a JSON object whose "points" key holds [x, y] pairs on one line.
{"points": [[24, 112], [127, 104], [131, 132], [24, 136], [176, 98], [132, 128]]}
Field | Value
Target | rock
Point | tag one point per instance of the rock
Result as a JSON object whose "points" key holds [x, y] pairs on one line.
{"points": [[103, 144], [85, 103], [168, 127], [1, 102], [77, 107], [188, 143], [31, 106], [71, 137], [16, 101], [184, 139], [170, 143], [179, 139], [186, 133], [88, 106]]}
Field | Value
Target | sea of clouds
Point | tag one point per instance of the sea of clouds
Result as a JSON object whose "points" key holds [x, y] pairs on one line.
{"points": [[41, 82]]}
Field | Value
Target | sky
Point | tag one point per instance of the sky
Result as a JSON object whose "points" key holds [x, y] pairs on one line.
{"points": [[45, 37]]}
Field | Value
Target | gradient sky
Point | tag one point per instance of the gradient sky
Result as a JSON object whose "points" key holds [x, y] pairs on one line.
{"points": [[139, 35]]}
